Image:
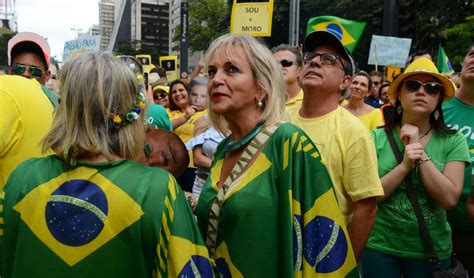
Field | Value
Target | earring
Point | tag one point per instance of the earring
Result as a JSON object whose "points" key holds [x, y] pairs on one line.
{"points": [[399, 109], [436, 114], [259, 103]]}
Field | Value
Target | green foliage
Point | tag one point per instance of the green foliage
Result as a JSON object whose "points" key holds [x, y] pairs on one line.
{"points": [[459, 38], [208, 19], [135, 47], [3, 48]]}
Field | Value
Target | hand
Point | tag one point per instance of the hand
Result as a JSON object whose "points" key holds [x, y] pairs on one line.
{"points": [[409, 134], [413, 152], [190, 111]]}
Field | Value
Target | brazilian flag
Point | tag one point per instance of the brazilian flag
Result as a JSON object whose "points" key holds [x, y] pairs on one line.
{"points": [[348, 31], [443, 64]]}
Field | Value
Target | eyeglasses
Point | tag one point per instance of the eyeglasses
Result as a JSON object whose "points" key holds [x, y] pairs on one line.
{"points": [[432, 88], [326, 58], [19, 69], [286, 63]]}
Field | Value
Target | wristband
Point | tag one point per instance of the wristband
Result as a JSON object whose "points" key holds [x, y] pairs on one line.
{"points": [[423, 160]]}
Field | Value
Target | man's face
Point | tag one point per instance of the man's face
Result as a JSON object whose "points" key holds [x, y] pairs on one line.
{"points": [[29, 65], [325, 77], [467, 71], [376, 82], [284, 58]]}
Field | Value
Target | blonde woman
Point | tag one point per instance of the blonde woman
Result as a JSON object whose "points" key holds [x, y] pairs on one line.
{"points": [[89, 210], [268, 199]]}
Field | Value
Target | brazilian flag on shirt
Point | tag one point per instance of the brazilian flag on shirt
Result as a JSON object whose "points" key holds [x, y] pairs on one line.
{"points": [[118, 219], [347, 31], [280, 217]]}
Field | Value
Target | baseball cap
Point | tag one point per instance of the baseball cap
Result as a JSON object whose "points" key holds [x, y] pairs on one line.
{"points": [[423, 66], [318, 38], [32, 38]]}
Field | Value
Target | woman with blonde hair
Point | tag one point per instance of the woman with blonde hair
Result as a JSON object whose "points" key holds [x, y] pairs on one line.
{"points": [[90, 210], [268, 207]]}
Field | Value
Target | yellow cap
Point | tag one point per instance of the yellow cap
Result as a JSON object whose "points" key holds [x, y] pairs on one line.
{"points": [[423, 65]]}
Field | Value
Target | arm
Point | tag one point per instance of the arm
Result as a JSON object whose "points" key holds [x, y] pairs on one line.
{"points": [[200, 159], [445, 188], [188, 113], [361, 224]]}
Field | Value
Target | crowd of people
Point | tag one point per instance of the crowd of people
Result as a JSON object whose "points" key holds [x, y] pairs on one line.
{"points": [[281, 162]]}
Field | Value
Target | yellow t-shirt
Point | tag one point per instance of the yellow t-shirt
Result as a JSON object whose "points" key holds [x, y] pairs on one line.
{"points": [[26, 117], [186, 130], [372, 120], [348, 152], [294, 102]]}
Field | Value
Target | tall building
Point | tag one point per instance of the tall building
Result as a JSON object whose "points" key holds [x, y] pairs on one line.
{"points": [[8, 16], [106, 21], [94, 30], [175, 21], [146, 21]]}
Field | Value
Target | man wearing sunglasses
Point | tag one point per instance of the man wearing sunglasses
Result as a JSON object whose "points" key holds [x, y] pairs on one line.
{"points": [[459, 114], [27, 110], [289, 58], [346, 147], [373, 98], [28, 56]]}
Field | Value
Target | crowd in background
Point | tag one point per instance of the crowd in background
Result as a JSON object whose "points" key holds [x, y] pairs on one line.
{"points": [[285, 162]]}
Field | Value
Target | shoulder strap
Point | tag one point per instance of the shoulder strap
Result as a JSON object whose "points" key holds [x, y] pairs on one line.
{"points": [[249, 154], [425, 234]]}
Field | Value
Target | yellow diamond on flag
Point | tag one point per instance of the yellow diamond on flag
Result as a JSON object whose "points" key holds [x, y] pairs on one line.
{"points": [[336, 28], [77, 212]]}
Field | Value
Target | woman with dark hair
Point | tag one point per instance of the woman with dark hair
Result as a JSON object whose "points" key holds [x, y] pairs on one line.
{"points": [[433, 160], [387, 108], [183, 117], [359, 89]]}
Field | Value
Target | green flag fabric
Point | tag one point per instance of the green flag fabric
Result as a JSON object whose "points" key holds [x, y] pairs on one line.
{"points": [[279, 217], [443, 64], [118, 219], [348, 31]]}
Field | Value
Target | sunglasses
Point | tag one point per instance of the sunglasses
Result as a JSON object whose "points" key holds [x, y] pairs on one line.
{"points": [[431, 88], [286, 63], [19, 69], [160, 95]]}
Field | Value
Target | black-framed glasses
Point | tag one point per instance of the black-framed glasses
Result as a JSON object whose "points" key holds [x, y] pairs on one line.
{"points": [[326, 58], [19, 69], [431, 88], [286, 63]]}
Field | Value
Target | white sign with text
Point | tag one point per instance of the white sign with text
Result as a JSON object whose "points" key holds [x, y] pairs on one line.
{"points": [[389, 51]]}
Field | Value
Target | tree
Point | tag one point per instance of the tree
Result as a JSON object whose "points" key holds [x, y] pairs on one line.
{"points": [[208, 19], [458, 38], [4, 38]]}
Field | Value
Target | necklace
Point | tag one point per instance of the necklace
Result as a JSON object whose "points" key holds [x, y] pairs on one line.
{"points": [[426, 133], [235, 145]]}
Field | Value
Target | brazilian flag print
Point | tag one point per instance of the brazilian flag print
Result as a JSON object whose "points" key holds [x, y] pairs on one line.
{"points": [[347, 31], [117, 219], [280, 217]]}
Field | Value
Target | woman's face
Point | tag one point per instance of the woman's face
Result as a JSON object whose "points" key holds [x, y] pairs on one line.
{"points": [[161, 97], [180, 96], [414, 96], [53, 83], [359, 87], [232, 88], [198, 97]]}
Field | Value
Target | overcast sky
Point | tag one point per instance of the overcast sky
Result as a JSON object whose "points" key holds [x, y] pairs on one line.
{"points": [[54, 19]]}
